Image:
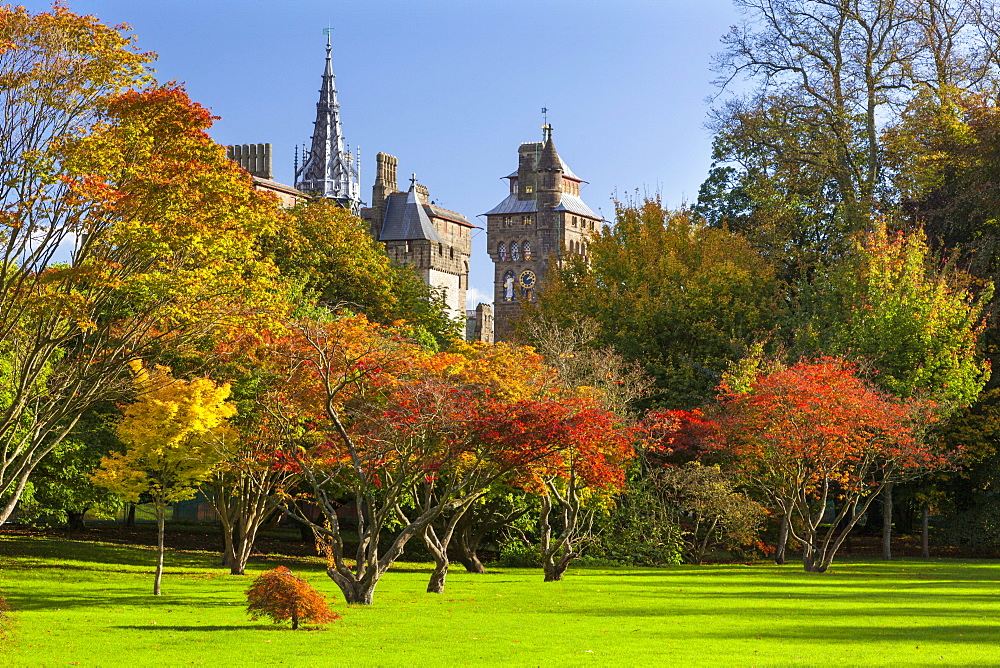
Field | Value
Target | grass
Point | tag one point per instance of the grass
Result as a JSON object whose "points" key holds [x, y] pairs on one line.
{"points": [[89, 604]]}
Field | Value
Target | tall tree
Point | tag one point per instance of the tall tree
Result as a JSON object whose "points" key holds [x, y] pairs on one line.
{"points": [[802, 156], [161, 228]]}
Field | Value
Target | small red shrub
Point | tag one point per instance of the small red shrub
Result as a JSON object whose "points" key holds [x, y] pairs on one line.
{"points": [[280, 595]]}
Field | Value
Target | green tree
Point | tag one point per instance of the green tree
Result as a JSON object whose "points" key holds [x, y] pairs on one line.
{"points": [[334, 258], [172, 434], [670, 293], [915, 325], [61, 489]]}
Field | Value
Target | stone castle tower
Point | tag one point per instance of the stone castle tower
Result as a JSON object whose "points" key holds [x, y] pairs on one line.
{"points": [[542, 218], [436, 242]]}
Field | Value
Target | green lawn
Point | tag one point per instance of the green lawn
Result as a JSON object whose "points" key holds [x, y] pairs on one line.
{"points": [[90, 605]]}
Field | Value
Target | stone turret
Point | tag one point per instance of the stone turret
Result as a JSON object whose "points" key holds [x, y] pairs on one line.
{"points": [[385, 185]]}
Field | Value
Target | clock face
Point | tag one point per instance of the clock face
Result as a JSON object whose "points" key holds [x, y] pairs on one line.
{"points": [[527, 279]]}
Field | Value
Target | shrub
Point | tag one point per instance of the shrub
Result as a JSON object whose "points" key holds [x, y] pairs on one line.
{"points": [[639, 530], [515, 553], [280, 595]]}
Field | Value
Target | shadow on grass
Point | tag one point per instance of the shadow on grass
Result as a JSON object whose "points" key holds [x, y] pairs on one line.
{"points": [[190, 627], [851, 634], [17, 550]]}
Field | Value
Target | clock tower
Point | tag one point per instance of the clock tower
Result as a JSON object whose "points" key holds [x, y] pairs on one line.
{"points": [[541, 218]]}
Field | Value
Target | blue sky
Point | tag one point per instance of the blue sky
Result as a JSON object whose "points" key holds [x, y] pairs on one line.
{"points": [[451, 87]]}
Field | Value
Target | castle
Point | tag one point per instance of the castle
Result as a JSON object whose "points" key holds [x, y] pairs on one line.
{"points": [[436, 242], [543, 218]]}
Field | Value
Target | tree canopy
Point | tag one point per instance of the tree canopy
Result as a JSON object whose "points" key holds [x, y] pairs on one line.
{"points": [[670, 293]]}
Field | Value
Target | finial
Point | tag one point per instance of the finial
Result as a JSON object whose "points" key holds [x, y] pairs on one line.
{"points": [[327, 31], [545, 116], [413, 180]]}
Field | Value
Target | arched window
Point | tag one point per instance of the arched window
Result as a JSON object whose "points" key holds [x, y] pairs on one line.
{"points": [[502, 251], [527, 250], [515, 251]]}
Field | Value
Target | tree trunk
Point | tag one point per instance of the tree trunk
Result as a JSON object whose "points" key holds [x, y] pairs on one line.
{"points": [[553, 572], [808, 559], [436, 584], [887, 522], [160, 512], [779, 553], [76, 522], [240, 553], [925, 525], [130, 515], [355, 592], [467, 546], [295, 618]]}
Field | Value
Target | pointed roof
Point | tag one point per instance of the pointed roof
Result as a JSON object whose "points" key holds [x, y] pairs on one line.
{"points": [[406, 218], [548, 160], [328, 170]]}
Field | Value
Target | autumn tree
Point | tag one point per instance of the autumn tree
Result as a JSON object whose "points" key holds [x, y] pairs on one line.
{"points": [[815, 432], [171, 433], [336, 367], [915, 324], [281, 596], [588, 449], [242, 485], [668, 293], [161, 229], [240, 489]]}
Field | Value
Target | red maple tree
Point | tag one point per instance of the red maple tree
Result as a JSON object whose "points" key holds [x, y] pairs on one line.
{"points": [[814, 433]]}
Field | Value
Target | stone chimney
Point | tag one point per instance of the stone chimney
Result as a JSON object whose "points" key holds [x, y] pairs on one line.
{"points": [[255, 158]]}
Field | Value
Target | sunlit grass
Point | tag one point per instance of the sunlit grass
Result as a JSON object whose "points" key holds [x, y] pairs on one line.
{"points": [[91, 604]]}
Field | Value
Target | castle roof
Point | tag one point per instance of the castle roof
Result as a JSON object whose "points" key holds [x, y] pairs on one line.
{"points": [[574, 204], [328, 170], [406, 219], [438, 212], [567, 172], [512, 206]]}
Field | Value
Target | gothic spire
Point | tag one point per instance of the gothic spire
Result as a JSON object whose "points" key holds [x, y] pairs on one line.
{"points": [[328, 170]]}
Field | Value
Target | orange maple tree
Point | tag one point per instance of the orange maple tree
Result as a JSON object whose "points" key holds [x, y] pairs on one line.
{"points": [[814, 433], [281, 596]]}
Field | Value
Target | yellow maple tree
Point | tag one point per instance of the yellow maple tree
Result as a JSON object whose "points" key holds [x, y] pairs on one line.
{"points": [[173, 432]]}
